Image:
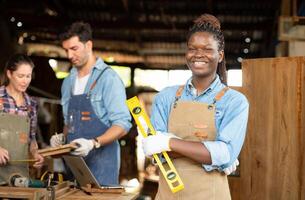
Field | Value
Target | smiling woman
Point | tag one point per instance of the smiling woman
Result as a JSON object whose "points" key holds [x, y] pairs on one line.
{"points": [[202, 123], [14, 100]]}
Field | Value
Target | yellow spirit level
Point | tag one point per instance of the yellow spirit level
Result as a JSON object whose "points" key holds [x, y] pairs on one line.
{"points": [[166, 166]]}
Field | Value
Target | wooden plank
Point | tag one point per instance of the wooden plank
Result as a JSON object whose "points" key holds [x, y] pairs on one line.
{"points": [[70, 192], [272, 159], [62, 192], [57, 150], [33, 193], [80, 195], [61, 189], [301, 128], [23, 193]]}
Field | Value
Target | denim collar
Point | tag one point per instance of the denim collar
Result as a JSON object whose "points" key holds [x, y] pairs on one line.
{"points": [[99, 65], [190, 88]]}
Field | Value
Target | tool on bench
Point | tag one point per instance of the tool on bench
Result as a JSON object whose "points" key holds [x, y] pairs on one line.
{"points": [[56, 176], [50, 188], [164, 162], [17, 180]]}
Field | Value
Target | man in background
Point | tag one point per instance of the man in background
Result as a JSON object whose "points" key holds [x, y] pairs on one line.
{"points": [[94, 109]]}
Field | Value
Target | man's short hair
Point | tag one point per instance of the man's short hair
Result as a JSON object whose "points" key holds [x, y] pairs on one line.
{"points": [[81, 29]]}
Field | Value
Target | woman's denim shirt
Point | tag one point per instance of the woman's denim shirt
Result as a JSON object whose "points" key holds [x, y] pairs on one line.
{"points": [[231, 119]]}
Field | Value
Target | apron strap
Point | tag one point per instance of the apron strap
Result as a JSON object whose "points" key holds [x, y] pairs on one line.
{"points": [[220, 94], [178, 94], [179, 91]]}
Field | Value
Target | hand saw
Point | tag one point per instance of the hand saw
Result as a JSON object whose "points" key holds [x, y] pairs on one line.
{"points": [[166, 166]]}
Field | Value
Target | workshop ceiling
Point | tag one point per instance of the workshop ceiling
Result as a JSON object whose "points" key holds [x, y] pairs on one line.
{"points": [[147, 33]]}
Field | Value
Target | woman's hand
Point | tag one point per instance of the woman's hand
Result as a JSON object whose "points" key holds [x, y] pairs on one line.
{"points": [[39, 160], [4, 158]]}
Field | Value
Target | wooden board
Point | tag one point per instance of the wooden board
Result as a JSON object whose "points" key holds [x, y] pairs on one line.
{"points": [[33, 193], [23, 193], [53, 151], [80, 195], [272, 159]]}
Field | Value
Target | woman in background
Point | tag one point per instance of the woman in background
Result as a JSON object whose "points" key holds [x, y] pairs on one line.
{"points": [[17, 76]]}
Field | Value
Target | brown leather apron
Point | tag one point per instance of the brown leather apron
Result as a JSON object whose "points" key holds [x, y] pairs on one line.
{"points": [[194, 121]]}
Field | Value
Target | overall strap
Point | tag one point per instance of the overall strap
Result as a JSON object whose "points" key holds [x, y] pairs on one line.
{"points": [[95, 81]]}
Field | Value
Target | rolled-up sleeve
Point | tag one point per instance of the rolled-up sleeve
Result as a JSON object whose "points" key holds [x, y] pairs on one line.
{"points": [[115, 101], [230, 135]]}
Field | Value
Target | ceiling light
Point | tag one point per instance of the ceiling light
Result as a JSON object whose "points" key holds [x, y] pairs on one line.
{"points": [[53, 63], [247, 40], [246, 50], [239, 59], [51, 12], [12, 19], [33, 37], [19, 24], [109, 59]]}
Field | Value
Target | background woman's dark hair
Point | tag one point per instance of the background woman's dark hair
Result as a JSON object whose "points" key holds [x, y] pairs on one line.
{"points": [[12, 65], [81, 29], [209, 23]]}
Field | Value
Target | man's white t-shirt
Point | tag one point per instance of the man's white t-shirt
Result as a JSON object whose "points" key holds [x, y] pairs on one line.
{"points": [[80, 85]]}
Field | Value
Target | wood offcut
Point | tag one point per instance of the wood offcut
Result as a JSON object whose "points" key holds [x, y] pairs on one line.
{"points": [[53, 151]]}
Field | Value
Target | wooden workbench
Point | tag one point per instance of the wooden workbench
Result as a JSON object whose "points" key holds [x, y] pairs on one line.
{"points": [[62, 191], [64, 194], [76, 194], [23, 193]]}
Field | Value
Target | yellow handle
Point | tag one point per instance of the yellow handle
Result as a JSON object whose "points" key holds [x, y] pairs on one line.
{"points": [[167, 168]]}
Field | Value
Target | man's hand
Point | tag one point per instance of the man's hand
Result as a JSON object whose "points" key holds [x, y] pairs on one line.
{"points": [[39, 160], [231, 168], [85, 147], [57, 140], [156, 143], [4, 157]]}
